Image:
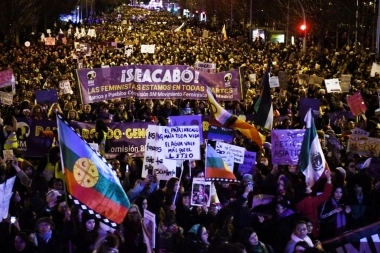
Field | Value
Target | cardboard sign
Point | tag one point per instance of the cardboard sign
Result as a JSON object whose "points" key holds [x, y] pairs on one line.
{"points": [[365, 146], [283, 79], [345, 83], [149, 230], [360, 132], [6, 98], [356, 104], [49, 41], [332, 85], [274, 82]]}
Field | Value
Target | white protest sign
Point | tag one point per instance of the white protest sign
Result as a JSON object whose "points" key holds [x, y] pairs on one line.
{"points": [[182, 142], [205, 67], [332, 85], [274, 82], [360, 132], [229, 160], [375, 69], [154, 158], [224, 148], [65, 86], [252, 78], [149, 229], [6, 98], [5, 197], [148, 49]]}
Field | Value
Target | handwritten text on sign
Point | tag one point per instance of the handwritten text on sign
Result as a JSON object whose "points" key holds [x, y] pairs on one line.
{"points": [[248, 164], [286, 146], [223, 148], [182, 143], [154, 159]]}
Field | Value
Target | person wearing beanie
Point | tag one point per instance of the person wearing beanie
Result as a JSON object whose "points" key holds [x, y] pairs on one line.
{"points": [[49, 240], [196, 240], [251, 241], [85, 239]]}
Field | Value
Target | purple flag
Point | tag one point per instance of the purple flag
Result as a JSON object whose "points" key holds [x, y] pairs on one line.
{"points": [[46, 96]]}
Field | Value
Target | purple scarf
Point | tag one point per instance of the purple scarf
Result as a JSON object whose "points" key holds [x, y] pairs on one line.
{"points": [[340, 217]]}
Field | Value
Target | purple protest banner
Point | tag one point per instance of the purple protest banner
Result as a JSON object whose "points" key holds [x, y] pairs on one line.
{"points": [[158, 82], [187, 120], [30, 143], [216, 133], [305, 104], [248, 165], [6, 78], [286, 146], [123, 137], [46, 96]]}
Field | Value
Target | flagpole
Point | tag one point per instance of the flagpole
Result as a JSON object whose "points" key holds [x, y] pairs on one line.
{"points": [[179, 184], [62, 164]]}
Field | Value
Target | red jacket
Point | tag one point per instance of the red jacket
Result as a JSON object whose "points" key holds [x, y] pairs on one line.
{"points": [[309, 207]]}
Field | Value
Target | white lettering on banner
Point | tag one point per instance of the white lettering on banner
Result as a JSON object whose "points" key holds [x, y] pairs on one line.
{"points": [[158, 76], [182, 142], [154, 157], [224, 148]]}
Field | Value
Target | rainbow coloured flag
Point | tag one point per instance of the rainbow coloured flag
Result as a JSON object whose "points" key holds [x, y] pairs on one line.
{"points": [[89, 178], [232, 121], [216, 168]]}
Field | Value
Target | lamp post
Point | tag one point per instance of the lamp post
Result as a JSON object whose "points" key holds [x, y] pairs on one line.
{"points": [[304, 23]]}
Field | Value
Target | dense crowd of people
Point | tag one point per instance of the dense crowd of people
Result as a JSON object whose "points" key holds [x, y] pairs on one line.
{"points": [[295, 219]]}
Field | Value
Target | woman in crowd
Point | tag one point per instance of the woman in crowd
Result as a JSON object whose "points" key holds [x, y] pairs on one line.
{"points": [[334, 214], [251, 242], [100, 136], [133, 232], [85, 239]]}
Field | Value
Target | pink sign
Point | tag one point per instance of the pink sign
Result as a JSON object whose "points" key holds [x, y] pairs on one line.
{"points": [[356, 104], [6, 78]]}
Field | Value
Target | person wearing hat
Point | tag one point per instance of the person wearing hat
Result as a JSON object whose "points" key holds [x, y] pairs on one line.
{"points": [[196, 240], [251, 241], [85, 239], [49, 240]]}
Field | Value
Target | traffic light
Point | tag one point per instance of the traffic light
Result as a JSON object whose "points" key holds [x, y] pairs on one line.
{"points": [[303, 27]]}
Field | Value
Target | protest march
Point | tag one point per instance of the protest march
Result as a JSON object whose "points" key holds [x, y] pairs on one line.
{"points": [[133, 131]]}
